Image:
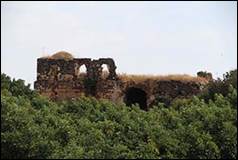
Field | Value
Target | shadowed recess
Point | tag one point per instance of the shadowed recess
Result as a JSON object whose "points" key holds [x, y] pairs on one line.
{"points": [[136, 95]]}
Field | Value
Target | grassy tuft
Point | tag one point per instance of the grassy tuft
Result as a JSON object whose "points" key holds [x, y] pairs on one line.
{"points": [[176, 77]]}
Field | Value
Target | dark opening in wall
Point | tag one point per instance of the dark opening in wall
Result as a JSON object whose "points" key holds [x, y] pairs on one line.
{"points": [[136, 95]]}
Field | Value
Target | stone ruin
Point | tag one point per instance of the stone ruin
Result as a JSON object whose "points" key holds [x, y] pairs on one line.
{"points": [[59, 78]]}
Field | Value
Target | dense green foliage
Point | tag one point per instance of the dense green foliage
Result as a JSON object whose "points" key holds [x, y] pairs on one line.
{"points": [[16, 87], [34, 127], [221, 86]]}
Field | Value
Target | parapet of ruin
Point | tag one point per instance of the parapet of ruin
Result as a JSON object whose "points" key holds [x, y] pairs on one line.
{"points": [[59, 78]]}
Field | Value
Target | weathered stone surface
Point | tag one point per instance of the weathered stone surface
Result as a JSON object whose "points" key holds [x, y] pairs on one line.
{"points": [[61, 79], [206, 75]]}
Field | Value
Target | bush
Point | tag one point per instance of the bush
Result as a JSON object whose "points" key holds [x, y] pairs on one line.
{"points": [[34, 127], [16, 87], [221, 86]]}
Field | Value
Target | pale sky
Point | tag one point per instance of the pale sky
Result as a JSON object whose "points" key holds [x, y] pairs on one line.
{"points": [[142, 37]]}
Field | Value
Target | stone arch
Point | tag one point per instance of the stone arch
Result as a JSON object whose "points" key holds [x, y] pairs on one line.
{"points": [[105, 71], [111, 68], [135, 95], [81, 70]]}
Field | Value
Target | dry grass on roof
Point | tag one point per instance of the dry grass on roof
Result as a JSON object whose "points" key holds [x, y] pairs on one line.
{"points": [[60, 55], [176, 77]]}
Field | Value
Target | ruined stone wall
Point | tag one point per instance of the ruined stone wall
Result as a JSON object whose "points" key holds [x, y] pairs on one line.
{"points": [[61, 79], [166, 91], [156, 90]]}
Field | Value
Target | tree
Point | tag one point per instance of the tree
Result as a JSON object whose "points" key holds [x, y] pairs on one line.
{"points": [[32, 126]]}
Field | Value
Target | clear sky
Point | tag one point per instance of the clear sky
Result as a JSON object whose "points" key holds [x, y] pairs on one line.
{"points": [[142, 37]]}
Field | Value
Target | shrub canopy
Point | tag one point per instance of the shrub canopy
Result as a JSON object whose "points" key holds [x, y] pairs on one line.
{"points": [[34, 127]]}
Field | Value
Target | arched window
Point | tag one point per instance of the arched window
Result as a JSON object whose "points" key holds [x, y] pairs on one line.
{"points": [[83, 69], [80, 71], [105, 71]]}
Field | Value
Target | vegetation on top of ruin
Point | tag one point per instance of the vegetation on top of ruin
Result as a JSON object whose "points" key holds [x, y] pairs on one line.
{"points": [[60, 55], [175, 77], [202, 78]]}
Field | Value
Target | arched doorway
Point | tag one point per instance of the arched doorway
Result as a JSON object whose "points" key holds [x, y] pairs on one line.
{"points": [[136, 95]]}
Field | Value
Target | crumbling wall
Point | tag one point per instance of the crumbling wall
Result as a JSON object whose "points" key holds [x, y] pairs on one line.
{"points": [[158, 91], [58, 79], [61, 79], [166, 91], [206, 75]]}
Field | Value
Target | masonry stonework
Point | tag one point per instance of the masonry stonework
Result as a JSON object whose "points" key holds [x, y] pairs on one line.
{"points": [[60, 79]]}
